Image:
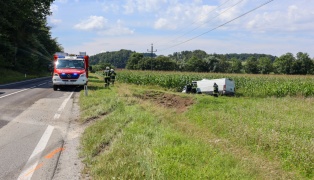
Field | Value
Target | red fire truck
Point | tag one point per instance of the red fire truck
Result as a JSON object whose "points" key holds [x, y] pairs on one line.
{"points": [[70, 70]]}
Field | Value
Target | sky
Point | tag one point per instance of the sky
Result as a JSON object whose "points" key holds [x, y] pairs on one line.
{"points": [[273, 27]]}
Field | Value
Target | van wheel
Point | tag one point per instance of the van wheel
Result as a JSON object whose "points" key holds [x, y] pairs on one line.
{"points": [[55, 87]]}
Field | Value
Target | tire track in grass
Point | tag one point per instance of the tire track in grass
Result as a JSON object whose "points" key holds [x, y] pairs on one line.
{"points": [[106, 146], [253, 162]]}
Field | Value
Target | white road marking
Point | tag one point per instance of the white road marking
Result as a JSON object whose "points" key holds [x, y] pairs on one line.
{"points": [[21, 82], [14, 93], [58, 114], [21, 90], [41, 84], [33, 160]]}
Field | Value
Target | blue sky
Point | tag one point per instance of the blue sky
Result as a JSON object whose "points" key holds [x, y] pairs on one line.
{"points": [[215, 26]]}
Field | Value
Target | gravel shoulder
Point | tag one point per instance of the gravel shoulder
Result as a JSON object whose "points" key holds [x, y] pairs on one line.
{"points": [[70, 164]]}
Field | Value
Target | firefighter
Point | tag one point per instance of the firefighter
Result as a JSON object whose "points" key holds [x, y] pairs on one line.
{"points": [[107, 76], [112, 76], [188, 88], [215, 90], [194, 86]]}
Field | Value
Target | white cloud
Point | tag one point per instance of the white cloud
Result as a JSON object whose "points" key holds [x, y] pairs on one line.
{"points": [[151, 6], [205, 13], [62, 1], [102, 27], [184, 15], [116, 29], [92, 23], [129, 7], [134, 43], [278, 22], [163, 23], [293, 18], [54, 8], [242, 44], [227, 14], [148, 5], [54, 21], [111, 7]]}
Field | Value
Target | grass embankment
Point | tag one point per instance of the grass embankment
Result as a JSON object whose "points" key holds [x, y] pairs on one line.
{"points": [[9, 76], [136, 136]]}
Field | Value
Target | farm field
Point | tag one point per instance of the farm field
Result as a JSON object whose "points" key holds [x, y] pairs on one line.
{"points": [[150, 131], [246, 85]]}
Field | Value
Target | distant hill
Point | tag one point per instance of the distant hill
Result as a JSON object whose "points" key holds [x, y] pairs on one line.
{"points": [[117, 58]]}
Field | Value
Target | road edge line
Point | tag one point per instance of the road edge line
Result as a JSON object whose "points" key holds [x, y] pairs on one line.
{"points": [[28, 170], [23, 81]]}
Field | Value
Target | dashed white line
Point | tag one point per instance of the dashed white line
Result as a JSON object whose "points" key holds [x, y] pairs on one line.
{"points": [[2, 85], [14, 93], [21, 90]]}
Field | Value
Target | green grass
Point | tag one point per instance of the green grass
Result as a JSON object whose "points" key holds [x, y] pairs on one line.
{"points": [[246, 84], [277, 128], [217, 138], [9, 76]]}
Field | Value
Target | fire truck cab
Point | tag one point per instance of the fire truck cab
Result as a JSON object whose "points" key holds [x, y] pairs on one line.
{"points": [[70, 70]]}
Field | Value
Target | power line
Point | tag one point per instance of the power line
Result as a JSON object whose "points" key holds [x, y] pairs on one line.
{"points": [[220, 25], [209, 20], [201, 17]]}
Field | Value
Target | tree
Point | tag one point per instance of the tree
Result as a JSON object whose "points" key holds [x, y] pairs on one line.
{"points": [[251, 65], [146, 63], [235, 66], [117, 58], [223, 65], [283, 64], [26, 42], [264, 65], [133, 62], [200, 54], [305, 64], [164, 63], [196, 65], [213, 64]]}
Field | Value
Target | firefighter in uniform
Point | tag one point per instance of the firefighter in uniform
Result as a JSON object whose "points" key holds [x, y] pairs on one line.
{"points": [[194, 86], [107, 76], [112, 76], [215, 90], [188, 88]]}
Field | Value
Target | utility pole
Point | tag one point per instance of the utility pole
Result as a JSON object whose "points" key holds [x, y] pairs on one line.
{"points": [[151, 54]]}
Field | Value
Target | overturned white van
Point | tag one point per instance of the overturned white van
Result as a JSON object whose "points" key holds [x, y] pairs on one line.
{"points": [[226, 86]]}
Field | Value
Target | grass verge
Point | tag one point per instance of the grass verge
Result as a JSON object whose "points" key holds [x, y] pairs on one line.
{"points": [[9, 76], [217, 138]]}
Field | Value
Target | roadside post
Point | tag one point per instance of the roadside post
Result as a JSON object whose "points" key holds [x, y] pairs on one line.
{"points": [[85, 90]]}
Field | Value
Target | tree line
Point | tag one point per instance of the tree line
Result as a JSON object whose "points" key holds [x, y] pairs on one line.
{"points": [[116, 59], [200, 61], [26, 44]]}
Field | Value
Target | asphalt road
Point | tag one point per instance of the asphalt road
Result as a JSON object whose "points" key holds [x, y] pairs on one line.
{"points": [[39, 134]]}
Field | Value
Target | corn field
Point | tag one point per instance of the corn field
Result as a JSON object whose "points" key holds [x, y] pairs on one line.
{"points": [[246, 85]]}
